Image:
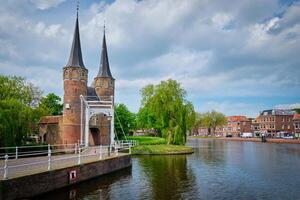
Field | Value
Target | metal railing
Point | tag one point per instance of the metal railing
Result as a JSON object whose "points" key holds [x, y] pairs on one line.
{"points": [[46, 159]]}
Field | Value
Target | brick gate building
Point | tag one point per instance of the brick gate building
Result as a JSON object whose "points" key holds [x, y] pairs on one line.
{"points": [[69, 128]]}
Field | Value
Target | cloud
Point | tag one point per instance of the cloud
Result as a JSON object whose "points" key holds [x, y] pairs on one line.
{"points": [[231, 108], [46, 4], [43, 76], [288, 106], [223, 53]]}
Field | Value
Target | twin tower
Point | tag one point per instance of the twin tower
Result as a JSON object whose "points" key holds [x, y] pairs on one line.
{"points": [[75, 78]]}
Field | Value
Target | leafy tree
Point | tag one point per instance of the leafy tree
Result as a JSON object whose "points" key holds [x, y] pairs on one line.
{"points": [[18, 118], [297, 110], [210, 120], [51, 104], [14, 87], [164, 108], [124, 120]]}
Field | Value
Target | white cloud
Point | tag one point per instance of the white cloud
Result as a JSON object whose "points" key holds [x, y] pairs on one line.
{"points": [[288, 106], [221, 20], [231, 108], [48, 79], [214, 49], [46, 4]]}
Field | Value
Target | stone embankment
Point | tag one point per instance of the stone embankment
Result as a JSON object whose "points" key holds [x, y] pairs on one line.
{"points": [[270, 140]]}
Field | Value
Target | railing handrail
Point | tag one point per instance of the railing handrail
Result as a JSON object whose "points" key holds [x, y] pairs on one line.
{"points": [[78, 152]]}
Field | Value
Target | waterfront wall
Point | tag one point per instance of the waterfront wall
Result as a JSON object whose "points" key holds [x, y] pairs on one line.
{"points": [[28, 186]]}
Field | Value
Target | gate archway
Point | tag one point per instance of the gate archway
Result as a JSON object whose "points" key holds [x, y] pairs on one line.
{"points": [[97, 111]]}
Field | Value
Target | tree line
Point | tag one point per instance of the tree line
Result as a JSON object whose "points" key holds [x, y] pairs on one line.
{"points": [[164, 110]]}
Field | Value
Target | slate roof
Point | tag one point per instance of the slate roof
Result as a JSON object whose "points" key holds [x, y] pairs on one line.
{"points": [[104, 70], [91, 94], [277, 112], [75, 59]]}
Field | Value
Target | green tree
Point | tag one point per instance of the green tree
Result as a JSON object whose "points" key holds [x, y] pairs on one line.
{"points": [[51, 104], [18, 116], [210, 120], [297, 110], [165, 108], [14, 87], [124, 120]]}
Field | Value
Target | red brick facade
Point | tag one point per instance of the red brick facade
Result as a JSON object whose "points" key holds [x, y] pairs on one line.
{"points": [[274, 122]]}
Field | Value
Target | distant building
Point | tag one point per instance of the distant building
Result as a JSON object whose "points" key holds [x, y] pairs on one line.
{"points": [[255, 127], [296, 121], [276, 122], [236, 125]]}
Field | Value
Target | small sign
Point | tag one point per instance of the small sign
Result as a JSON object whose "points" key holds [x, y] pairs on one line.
{"points": [[72, 176]]}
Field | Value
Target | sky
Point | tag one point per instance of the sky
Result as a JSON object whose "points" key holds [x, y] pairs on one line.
{"points": [[236, 57]]}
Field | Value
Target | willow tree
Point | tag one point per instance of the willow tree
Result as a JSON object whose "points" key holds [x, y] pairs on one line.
{"points": [[18, 117], [173, 115]]}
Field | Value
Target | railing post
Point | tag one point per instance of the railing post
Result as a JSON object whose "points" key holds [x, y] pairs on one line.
{"points": [[129, 150], [5, 167], [110, 149], [49, 157], [16, 152], [79, 156], [116, 150], [75, 148], [100, 152]]}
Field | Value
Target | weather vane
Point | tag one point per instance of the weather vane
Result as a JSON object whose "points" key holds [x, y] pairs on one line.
{"points": [[104, 25], [77, 7]]}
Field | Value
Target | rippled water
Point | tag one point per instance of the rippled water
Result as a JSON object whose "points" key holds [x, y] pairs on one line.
{"points": [[217, 170]]}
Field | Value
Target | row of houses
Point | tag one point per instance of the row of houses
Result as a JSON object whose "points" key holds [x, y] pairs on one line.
{"points": [[272, 123]]}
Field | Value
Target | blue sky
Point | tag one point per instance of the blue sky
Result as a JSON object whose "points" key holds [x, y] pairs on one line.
{"points": [[237, 57]]}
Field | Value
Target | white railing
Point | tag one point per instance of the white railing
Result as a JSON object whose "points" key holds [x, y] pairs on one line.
{"points": [[55, 153]]}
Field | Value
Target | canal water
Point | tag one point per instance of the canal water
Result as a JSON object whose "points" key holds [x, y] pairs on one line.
{"points": [[217, 170]]}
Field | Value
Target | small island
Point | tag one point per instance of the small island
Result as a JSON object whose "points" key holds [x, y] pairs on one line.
{"points": [[161, 149], [157, 146]]}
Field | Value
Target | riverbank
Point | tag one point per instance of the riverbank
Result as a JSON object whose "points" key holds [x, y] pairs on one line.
{"points": [[160, 150], [269, 140]]}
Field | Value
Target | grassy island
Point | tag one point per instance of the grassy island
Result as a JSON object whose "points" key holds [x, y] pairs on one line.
{"points": [[156, 146], [160, 149]]}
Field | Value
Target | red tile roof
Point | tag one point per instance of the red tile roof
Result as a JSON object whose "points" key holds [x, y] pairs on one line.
{"points": [[237, 118], [297, 116]]}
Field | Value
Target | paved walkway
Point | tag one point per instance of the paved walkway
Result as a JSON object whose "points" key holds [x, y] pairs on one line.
{"points": [[39, 164]]}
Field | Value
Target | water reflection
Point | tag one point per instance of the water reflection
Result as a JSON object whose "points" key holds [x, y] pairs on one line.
{"points": [[217, 170], [211, 152], [169, 176], [97, 188]]}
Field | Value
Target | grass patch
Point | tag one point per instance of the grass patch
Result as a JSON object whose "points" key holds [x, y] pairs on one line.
{"points": [[147, 140], [160, 150]]}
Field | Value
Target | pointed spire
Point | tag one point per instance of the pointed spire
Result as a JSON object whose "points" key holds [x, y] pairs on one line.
{"points": [[104, 70], [75, 59]]}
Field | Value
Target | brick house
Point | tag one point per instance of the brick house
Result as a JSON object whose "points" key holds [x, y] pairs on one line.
{"points": [[236, 125], [255, 127], [296, 121], [276, 122]]}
